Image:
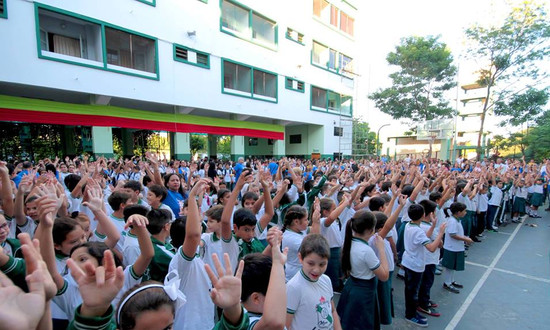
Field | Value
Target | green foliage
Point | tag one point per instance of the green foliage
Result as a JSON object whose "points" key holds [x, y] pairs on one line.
{"points": [[224, 145], [539, 142], [425, 72], [197, 143], [510, 53], [364, 140], [523, 107]]}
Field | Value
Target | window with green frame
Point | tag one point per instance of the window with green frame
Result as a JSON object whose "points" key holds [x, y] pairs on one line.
{"points": [[244, 80], [328, 101], [294, 85], [191, 56], [295, 36], [3, 9], [72, 38], [244, 23], [331, 60], [149, 2]]}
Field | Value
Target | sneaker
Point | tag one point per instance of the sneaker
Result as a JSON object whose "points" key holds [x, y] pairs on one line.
{"points": [[421, 317], [480, 235], [450, 288], [460, 286], [475, 239], [493, 230], [418, 322], [401, 277], [428, 311], [439, 267], [433, 304], [437, 271], [536, 216]]}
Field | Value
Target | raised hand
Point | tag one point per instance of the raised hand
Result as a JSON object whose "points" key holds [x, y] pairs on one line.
{"points": [[34, 262], [227, 288], [95, 199], [275, 237], [136, 221]]}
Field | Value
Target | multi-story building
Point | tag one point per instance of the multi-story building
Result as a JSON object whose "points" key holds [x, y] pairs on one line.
{"points": [[279, 77]]}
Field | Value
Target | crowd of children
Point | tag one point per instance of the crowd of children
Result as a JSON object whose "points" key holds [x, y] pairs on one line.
{"points": [[157, 244]]}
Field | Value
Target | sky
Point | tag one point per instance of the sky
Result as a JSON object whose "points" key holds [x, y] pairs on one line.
{"points": [[384, 23]]}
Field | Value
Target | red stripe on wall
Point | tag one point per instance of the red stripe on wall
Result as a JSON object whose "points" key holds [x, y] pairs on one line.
{"points": [[43, 117]]}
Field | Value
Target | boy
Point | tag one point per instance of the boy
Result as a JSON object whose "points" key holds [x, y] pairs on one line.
{"points": [[135, 188], [159, 228], [156, 194], [416, 242], [210, 241], [309, 292], [130, 249]]}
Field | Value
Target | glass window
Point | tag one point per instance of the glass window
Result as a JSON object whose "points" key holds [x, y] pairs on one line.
{"points": [[66, 35], [237, 77], [333, 60], [346, 64], [263, 30], [320, 54], [346, 105], [202, 59], [318, 97], [130, 50], [235, 18], [321, 9], [333, 102], [334, 15], [346, 23], [265, 84]]}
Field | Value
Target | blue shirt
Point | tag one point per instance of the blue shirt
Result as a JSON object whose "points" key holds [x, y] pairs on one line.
{"points": [[273, 167], [238, 170], [173, 201]]}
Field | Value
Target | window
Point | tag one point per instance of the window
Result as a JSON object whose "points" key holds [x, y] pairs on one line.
{"points": [[294, 85], [68, 38], [129, 50], [3, 9], [332, 60], [346, 64], [320, 54], [295, 36], [321, 9], [252, 142], [244, 80], [149, 2], [191, 56], [247, 24], [346, 23], [334, 15], [295, 139], [76, 39], [318, 97], [332, 102], [338, 131]]}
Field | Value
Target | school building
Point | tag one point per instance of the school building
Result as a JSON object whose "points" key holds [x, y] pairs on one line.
{"points": [[279, 77]]}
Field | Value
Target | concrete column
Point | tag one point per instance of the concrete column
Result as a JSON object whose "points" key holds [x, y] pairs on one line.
{"points": [[212, 146], [181, 146], [279, 148], [127, 143], [102, 141], [237, 147]]}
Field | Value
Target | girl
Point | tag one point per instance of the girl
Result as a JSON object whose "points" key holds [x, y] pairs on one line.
{"points": [[294, 228], [453, 246], [358, 306], [520, 198], [536, 199]]}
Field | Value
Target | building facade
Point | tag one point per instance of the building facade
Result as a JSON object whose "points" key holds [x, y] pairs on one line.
{"points": [[280, 78]]}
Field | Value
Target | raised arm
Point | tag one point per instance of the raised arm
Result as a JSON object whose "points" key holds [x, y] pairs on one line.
{"points": [[390, 222], [337, 211], [139, 224], [193, 224], [269, 210], [25, 187], [104, 225], [228, 208], [7, 198]]}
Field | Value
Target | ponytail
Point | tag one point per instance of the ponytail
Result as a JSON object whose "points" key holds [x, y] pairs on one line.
{"points": [[360, 222], [346, 249]]}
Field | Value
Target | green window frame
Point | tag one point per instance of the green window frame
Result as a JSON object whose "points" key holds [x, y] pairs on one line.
{"points": [[205, 1], [328, 101], [191, 56], [149, 2], [244, 80], [3, 9], [294, 85], [244, 23], [101, 47], [295, 36], [331, 60]]}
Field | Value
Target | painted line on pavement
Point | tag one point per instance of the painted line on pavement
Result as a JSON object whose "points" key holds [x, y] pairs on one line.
{"points": [[462, 310], [531, 277]]}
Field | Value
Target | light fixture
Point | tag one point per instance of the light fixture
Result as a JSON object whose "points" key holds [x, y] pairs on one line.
{"points": [[191, 33]]}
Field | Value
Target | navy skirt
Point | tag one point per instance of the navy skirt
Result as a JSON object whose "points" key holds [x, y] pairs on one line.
{"points": [[358, 305]]}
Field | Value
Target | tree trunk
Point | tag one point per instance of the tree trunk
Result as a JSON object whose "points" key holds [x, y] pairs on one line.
{"points": [[485, 107]]}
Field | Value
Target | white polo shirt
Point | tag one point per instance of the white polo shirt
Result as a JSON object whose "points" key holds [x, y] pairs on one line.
{"points": [[415, 240]]}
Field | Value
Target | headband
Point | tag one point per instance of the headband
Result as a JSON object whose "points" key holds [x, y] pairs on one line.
{"points": [[171, 290]]}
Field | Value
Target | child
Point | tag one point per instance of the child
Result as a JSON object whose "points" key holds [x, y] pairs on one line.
{"points": [[155, 196], [536, 199], [159, 228], [416, 243], [358, 305], [211, 241], [309, 292], [294, 228], [495, 199], [453, 247], [331, 229], [520, 198], [130, 249]]}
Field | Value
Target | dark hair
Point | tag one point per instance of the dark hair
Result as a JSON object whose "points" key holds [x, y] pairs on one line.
{"points": [[167, 179], [51, 167], [157, 220], [215, 212], [222, 192], [326, 204], [134, 185], [255, 277], [294, 212], [455, 208], [415, 212], [146, 180], [407, 190], [177, 231], [249, 195], [244, 217], [134, 209], [117, 198], [361, 221], [428, 205], [368, 189], [376, 203], [159, 190], [435, 196], [62, 226], [386, 186], [386, 198], [381, 219], [314, 243], [96, 250], [71, 181], [150, 299]]}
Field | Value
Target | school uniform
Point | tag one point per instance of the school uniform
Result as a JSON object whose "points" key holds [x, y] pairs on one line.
{"points": [[470, 211], [482, 206], [292, 240], [358, 304], [130, 249], [211, 243], [430, 260], [413, 261], [493, 205], [310, 302], [164, 252], [537, 197], [12, 248], [520, 200], [333, 234], [384, 289], [453, 249], [28, 227]]}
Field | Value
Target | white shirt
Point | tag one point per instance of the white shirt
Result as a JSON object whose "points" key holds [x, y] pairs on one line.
{"points": [[482, 202], [415, 240], [496, 196], [387, 250], [430, 258], [292, 240], [454, 227], [310, 302], [211, 244], [332, 233], [130, 249], [363, 259]]}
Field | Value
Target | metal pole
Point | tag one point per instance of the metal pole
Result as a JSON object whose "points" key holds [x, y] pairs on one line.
{"points": [[378, 139]]}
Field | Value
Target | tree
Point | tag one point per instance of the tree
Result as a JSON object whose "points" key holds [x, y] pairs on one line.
{"points": [[224, 145], [198, 143], [509, 54], [364, 140], [425, 73], [523, 107]]}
